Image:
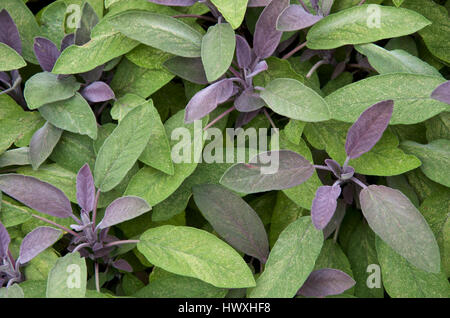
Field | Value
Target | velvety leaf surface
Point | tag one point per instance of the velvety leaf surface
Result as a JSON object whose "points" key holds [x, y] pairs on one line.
{"points": [[42, 144], [46, 52], [435, 158], [10, 59], [160, 31], [326, 282], [44, 88], [36, 194], [85, 189], [217, 50], [123, 209], [396, 220], [4, 241], [232, 11], [290, 261], [195, 253], [286, 171], [98, 92], [122, 148], [373, 23], [68, 277], [410, 93], [37, 241], [293, 99], [295, 18], [233, 219], [324, 205], [190, 69]]}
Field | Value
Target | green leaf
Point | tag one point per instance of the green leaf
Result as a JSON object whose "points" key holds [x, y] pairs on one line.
{"points": [[17, 156], [52, 20], [155, 186], [160, 31], [372, 22], [34, 288], [396, 220], [233, 11], [195, 253], [396, 61], [410, 92], [384, 159], [12, 213], [398, 3], [362, 253], [435, 158], [290, 262], [402, 280], [44, 88], [148, 57], [99, 50], [438, 127], [73, 114], [157, 153], [217, 51], [10, 59], [14, 291], [26, 24], [289, 97], [40, 266], [68, 277], [437, 35], [122, 148], [436, 210], [168, 285]]}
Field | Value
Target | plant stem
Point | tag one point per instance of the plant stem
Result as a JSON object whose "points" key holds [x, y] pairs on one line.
{"points": [[97, 277], [361, 2], [304, 5], [121, 243], [336, 233], [195, 16], [270, 119], [322, 167], [55, 224], [295, 50], [219, 117], [79, 247], [94, 214], [315, 67], [235, 73], [359, 182], [11, 258]]}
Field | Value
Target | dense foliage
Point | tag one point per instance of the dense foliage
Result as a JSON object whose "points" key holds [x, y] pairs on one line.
{"points": [[224, 148]]}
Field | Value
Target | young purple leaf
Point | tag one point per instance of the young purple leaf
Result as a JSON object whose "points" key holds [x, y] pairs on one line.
{"points": [[233, 219], [324, 205], [334, 166], [9, 34], [260, 67], [295, 18], [368, 129], [326, 282], [442, 93], [67, 41], [267, 37], [85, 189], [347, 173], [206, 100], [190, 69], [98, 92], [243, 52], [175, 3], [36, 242], [36, 194], [5, 239], [123, 209], [273, 170], [336, 220], [248, 101], [46, 53], [122, 265]]}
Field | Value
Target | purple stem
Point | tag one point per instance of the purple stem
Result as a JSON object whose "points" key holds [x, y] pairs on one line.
{"points": [[315, 67], [94, 214], [362, 2], [235, 73], [298, 48], [116, 243], [97, 277], [11, 258], [322, 167], [55, 224], [304, 5], [270, 119], [359, 182], [219, 117]]}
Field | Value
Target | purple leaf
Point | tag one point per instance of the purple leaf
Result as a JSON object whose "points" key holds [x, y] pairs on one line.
{"points": [[243, 52], [5, 79], [315, 5], [36, 194], [67, 41], [273, 170], [9, 34], [5, 239], [334, 166], [123, 209], [42, 144], [36, 242], [324, 205], [295, 18], [123, 265], [260, 67], [93, 75], [258, 3], [190, 69], [85, 189], [206, 100], [267, 37], [46, 53], [175, 3], [442, 93], [347, 173], [326, 282], [248, 101], [98, 92], [368, 129], [233, 219], [245, 118], [336, 220]]}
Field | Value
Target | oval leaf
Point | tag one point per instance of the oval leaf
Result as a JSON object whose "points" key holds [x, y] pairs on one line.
{"points": [[68, 278], [326, 282], [98, 92], [37, 241], [42, 144], [295, 18], [85, 189], [123, 209], [324, 205]]}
